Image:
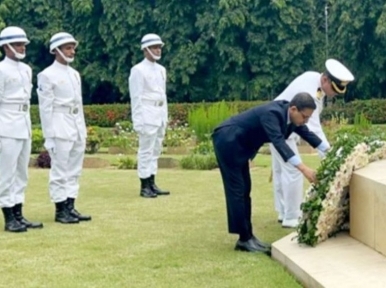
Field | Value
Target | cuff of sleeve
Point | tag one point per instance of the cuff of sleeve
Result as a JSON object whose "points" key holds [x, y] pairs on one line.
{"points": [[295, 160], [324, 146]]}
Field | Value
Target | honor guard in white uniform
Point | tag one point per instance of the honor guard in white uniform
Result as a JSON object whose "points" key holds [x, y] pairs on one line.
{"points": [[64, 129], [149, 110], [288, 181], [15, 128]]}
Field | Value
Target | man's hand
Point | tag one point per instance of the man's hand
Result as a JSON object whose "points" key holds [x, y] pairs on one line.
{"points": [[309, 173], [49, 144]]}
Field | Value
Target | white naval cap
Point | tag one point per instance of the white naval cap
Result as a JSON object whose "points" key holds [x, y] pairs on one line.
{"points": [[339, 75]]}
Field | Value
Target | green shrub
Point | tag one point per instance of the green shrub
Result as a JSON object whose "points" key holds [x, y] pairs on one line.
{"points": [[204, 148], [93, 141], [124, 126], [108, 115], [199, 162], [126, 162], [372, 109], [37, 141], [105, 134], [204, 119], [177, 136], [124, 137], [361, 121], [332, 126]]}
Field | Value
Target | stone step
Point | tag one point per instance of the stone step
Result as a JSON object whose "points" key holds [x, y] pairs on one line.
{"points": [[342, 262]]}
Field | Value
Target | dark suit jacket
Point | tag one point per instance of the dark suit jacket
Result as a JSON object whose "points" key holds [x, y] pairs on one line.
{"points": [[240, 137]]}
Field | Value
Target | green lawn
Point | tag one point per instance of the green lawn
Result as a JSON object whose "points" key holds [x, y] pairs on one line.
{"points": [[175, 241]]}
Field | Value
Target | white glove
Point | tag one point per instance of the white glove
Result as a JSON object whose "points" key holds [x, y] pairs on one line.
{"points": [[49, 144], [138, 128]]}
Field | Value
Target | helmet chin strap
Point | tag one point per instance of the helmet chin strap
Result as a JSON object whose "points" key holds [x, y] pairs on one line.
{"points": [[152, 55], [67, 59], [17, 55]]}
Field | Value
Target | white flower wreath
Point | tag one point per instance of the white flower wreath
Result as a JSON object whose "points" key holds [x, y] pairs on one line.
{"points": [[326, 207]]}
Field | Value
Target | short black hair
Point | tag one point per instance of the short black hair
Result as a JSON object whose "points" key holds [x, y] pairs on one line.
{"points": [[303, 101]]}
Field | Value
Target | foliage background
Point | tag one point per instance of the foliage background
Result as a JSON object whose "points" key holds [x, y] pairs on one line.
{"points": [[215, 50]]}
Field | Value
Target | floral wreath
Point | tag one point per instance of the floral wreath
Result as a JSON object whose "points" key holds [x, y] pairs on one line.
{"points": [[326, 207]]}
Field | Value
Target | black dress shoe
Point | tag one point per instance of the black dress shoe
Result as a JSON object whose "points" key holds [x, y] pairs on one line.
{"points": [[261, 243], [251, 246]]}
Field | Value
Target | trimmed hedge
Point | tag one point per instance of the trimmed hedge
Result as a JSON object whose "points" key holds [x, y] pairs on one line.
{"points": [[374, 110], [108, 115]]}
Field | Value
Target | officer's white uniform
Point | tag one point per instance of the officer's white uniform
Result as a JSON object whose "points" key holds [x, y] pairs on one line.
{"points": [[62, 119], [288, 181], [147, 84], [15, 130]]}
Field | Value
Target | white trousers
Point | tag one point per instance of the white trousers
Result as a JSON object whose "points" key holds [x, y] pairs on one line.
{"points": [[66, 168], [287, 184], [14, 159], [149, 150]]}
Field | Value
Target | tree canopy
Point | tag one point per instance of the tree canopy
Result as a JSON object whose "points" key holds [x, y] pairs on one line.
{"points": [[215, 50]]}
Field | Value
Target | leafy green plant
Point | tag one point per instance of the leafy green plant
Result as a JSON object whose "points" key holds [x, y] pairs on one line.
{"points": [[203, 120], [333, 125], [126, 162], [177, 136], [361, 122], [37, 141], [204, 148], [93, 141], [199, 162], [124, 137]]}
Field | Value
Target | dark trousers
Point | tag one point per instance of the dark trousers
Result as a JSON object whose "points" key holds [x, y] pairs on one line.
{"points": [[237, 185]]}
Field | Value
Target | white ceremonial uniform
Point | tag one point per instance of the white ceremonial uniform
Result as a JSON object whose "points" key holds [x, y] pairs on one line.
{"points": [[62, 119], [147, 85], [15, 130], [287, 179]]}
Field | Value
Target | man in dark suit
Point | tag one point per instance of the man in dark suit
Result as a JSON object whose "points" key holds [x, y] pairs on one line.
{"points": [[239, 138]]}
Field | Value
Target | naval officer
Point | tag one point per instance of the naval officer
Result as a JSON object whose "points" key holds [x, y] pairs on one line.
{"points": [[15, 128], [287, 180], [149, 110], [64, 129]]}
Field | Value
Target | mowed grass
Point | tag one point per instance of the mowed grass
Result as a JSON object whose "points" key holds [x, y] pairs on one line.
{"points": [[175, 241]]}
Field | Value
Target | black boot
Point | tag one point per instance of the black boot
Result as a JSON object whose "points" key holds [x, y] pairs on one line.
{"points": [[146, 189], [62, 215], [70, 203], [11, 224], [17, 211], [155, 188]]}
